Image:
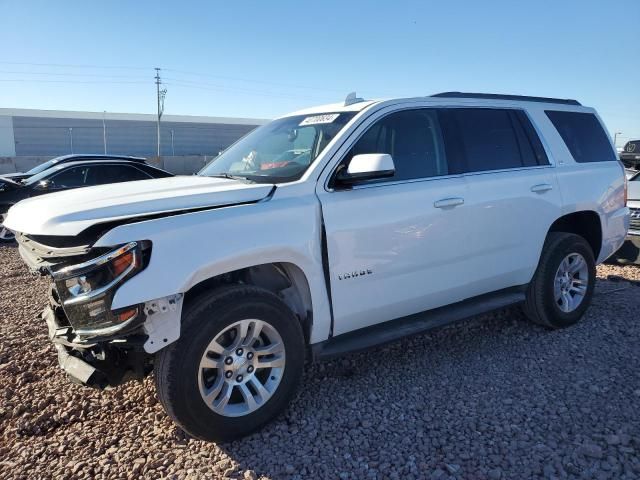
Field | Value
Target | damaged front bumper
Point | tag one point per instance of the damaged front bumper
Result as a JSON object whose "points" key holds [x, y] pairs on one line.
{"points": [[100, 363], [98, 345]]}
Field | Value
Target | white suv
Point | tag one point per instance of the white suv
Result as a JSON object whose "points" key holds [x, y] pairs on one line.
{"points": [[325, 231]]}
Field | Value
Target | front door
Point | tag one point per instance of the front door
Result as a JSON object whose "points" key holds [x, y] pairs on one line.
{"points": [[397, 246]]}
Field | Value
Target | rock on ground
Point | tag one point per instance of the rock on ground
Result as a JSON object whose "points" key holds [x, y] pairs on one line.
{"points": [[491, 398]]}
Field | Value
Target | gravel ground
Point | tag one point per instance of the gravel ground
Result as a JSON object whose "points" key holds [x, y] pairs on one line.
{"points": [[491, 398]]}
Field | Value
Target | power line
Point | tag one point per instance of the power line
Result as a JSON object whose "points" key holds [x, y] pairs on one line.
{"points": [[26, 80], [66, 74], [191, 82], [69, 65], [220, 88], [264, 82]]}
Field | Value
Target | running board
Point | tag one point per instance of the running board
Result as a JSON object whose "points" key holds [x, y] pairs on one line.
{"points": [[386, 332]]}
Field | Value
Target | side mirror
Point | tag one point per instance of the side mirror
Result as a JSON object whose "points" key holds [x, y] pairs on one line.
{"points": [[367, 166], [45, 184]]}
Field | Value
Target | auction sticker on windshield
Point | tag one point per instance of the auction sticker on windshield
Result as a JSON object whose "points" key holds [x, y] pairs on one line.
{"points": [[317, 119]]}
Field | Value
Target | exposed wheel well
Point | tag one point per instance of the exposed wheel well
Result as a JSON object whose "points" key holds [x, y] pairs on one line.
{"points": [[284, 279], [586, 224]]}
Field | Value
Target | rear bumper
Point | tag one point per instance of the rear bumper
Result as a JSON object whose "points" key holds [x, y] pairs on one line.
{"points": [[97, 364], [630, 250], [615, 226], [630, 159]]}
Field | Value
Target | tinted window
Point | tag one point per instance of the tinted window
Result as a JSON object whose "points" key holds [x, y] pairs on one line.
{"points": [[412, 138], [583, 135], [532, 138], [103, 174], [70, 178], [488, 138]]}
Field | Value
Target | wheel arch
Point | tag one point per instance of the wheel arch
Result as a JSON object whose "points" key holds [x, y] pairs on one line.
{"points": [[287, 280], [585, 223]]}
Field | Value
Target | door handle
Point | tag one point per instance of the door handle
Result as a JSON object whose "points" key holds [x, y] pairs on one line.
{"points": [[448, 202], [541, 188]]}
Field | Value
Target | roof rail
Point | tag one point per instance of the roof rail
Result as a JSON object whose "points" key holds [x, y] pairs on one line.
{"points": [[494, 96]]}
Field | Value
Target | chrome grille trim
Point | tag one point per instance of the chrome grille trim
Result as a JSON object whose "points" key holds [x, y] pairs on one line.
{"points": [[45, 251]]}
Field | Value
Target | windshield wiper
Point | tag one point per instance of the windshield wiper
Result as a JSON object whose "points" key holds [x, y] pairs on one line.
{"points": [[230, 177]]}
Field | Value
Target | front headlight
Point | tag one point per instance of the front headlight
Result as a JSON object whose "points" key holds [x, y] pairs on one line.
{"points": [[86, 290]]}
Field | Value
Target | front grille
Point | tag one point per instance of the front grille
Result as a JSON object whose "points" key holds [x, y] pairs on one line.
{"points": [[634, 219]]}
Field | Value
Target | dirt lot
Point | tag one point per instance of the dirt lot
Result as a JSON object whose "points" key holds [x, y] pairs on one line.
{"points": [[493, 398]]}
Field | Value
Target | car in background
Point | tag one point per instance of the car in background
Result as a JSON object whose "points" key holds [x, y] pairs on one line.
{"points": [[65, 175], [630, 155], [630, 250], [66, 159]]}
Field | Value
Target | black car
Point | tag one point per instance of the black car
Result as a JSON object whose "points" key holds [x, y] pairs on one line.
{"points": [[69, 175], [630, 155], [66, 159]]}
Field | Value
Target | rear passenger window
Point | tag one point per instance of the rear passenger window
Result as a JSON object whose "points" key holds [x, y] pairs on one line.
{"points": [[412, 138], [488, 139], [533, 140], [583, 135]]}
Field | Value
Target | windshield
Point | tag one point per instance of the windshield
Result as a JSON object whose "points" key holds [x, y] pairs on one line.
{"points": [[43, 166], [42, 175], [280, 151]]}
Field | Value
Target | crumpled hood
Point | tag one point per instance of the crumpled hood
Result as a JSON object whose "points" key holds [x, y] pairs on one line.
{"points": [[72, 211], [16, 177], [13, 182]]}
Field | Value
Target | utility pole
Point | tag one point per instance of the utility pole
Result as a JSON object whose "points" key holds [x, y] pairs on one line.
{"points": [[71, 138], [615, 138], [104, 132], [161, 94], [173, 150]]}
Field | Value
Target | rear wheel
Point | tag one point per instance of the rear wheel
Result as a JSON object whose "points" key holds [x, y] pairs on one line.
{"points": [[562, 287], [236, 365], [6, 235]]}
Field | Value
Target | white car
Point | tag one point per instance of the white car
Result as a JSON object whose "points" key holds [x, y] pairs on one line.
{"points": [[630, 250], [325, 231]]}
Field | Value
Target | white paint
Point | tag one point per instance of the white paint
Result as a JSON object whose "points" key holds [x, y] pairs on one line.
{"points": [[70, 212], [370, 162], [488, 237]]}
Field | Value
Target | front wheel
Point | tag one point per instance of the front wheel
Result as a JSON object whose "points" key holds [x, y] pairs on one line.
{"points": [[236, 365], [6, 235], [562, 287]]}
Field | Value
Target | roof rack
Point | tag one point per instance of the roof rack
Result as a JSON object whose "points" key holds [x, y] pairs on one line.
{"points": [[493, 96]]}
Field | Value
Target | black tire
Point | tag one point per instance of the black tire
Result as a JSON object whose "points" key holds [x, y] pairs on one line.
{"points": [[176, 366], [5, 236], [540, 305]]}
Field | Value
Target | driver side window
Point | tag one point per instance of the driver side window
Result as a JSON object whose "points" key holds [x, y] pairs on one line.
{"points": [[70, 178], [413, 138]]}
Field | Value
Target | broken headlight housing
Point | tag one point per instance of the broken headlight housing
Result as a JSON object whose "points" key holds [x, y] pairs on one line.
{"points": [[86, 290]]}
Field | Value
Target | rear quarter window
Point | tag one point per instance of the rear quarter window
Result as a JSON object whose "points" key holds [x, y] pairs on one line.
{"points": [[583, 135]]}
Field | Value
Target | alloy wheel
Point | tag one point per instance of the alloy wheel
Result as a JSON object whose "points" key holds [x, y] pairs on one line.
{"points": [[241, 368], [571, 282]]}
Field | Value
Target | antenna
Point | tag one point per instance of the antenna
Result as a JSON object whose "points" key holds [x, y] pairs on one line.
{"points": [[351, 99]]}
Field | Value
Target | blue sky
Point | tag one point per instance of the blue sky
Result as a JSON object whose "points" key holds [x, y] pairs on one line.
{"points": [[262, 59]]}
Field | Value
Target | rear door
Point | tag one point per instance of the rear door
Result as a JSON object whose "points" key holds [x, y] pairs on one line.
{"points": [[399, 245], [512, 194], [101, 174]]}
